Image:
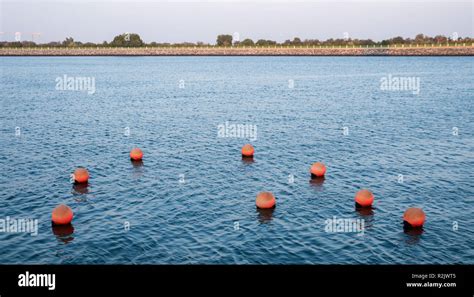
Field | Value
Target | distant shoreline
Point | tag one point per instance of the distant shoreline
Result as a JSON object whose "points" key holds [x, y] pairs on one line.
{"points": [[244, 51]]}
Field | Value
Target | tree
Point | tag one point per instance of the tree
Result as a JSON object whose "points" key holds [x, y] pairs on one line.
{"points": [[366, 42], [53, 44], [311, 42], [127, 40], [440, 39], [69, 41], [263, 42], [224, 40], [397, 40], [420, 38], [247, 42], [296, 41], [339, 41]]}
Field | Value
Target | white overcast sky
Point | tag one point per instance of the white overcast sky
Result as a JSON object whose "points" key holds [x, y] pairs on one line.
{"points": [[193, 20]]}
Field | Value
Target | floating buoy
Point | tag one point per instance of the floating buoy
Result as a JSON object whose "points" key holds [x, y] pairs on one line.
{"points": [[81, 175], [414, 217], [136, 154], [247, 151], [62, 215], [265, 200], [318, 169], [364, 198]]}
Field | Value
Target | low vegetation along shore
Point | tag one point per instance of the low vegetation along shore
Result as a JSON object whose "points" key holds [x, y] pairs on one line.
{"points": [[130, 44], [243, 51]]}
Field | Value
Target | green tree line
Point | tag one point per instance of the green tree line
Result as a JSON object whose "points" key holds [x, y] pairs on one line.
{"points": [[134, 40]]}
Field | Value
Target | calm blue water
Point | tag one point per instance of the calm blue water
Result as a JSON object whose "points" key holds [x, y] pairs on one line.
{"points": [[211, 216]]}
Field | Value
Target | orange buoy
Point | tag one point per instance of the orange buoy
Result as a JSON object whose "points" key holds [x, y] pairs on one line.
{"points": [[318, 169], [265, 200], [81, 175], [247, 151], [414, 217], [136, 154], [364, 198], [62, 215]]}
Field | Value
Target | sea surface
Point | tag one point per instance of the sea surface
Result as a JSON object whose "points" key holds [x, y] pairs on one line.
{"points": [[192, 200]]}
